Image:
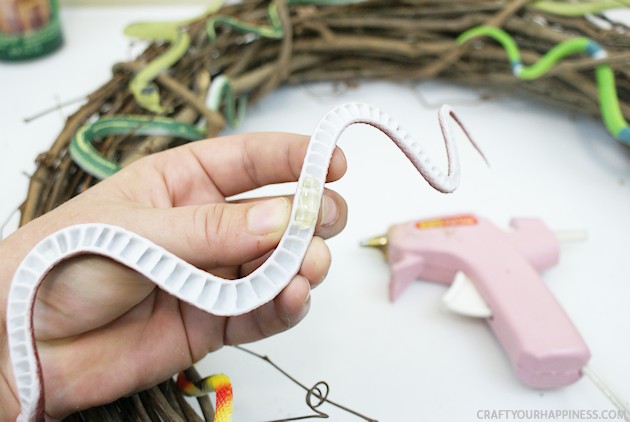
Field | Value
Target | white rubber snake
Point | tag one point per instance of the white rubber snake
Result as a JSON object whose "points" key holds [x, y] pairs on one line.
{"points": [[208, 292]]}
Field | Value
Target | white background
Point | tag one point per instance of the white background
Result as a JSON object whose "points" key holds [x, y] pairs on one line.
{"points": [[411, 360]]}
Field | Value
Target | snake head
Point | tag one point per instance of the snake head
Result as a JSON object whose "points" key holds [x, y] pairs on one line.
{"points": [[147, 96]]}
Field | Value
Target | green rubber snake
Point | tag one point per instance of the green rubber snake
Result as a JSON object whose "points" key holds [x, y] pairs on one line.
{"points": [[274, 29], [608, 100], [578, 9], [221, 92], [141, 86], [91, 161], [145, 92]]}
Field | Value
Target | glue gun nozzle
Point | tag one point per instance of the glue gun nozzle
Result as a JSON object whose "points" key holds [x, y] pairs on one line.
{"points": [[379, 242]]}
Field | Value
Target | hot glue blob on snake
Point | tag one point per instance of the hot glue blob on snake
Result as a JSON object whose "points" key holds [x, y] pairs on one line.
{"points": [[205, 291]]}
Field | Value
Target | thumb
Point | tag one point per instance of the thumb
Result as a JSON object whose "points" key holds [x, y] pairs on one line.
{"points": [[219, 234]]}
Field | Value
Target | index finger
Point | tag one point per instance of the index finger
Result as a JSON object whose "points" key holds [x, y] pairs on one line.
{"points": [[229, 165]]}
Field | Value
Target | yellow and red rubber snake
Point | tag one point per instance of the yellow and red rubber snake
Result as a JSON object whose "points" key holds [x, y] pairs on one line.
{"points": [[219, 384]]}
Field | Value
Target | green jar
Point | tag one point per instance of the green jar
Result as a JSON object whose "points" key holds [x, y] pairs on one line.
{"points": [[28, 29]]}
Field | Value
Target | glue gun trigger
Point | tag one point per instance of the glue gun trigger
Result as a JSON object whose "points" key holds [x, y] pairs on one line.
{"points": [[463, 298]]}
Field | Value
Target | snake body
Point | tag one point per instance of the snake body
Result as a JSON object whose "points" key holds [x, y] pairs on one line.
{"points": [[608, 100], [89, 159], [581, 8], [205, 291]]}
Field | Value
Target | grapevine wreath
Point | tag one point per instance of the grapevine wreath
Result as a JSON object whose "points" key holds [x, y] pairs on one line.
{"points": [[199, 76]]}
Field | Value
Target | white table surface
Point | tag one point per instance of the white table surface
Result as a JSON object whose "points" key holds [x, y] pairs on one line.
{"points": [[411, 360]]}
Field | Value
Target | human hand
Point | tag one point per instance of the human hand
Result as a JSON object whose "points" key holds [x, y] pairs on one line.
{"points": [[104, 331]]}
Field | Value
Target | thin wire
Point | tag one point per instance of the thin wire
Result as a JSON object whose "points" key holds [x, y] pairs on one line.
{"points": [[60, 105], [313, 392], [614, 398], [336, 90], [6, 221], [483, 97]]}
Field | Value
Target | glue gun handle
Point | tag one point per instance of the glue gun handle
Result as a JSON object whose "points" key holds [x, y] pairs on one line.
{"points": [[542, 343]]}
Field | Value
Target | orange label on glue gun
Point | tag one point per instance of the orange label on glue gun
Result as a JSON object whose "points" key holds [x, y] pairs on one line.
{"points": [[458, 220]]}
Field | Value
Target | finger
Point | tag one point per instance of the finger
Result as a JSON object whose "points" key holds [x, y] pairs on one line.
{"points": [[289, 307], [198, 172], [316, 262], [259, 159], [314, 267], [332, 219], [227, 234], [216, 235], [333, 213], [284, 312]]}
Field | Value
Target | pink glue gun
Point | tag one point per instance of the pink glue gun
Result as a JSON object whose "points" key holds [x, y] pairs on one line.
{"points": [[494, 274]]}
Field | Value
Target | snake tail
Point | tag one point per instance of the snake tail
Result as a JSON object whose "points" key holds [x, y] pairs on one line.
{"points": [[610, 109], [609, 103], [273, 30]]}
